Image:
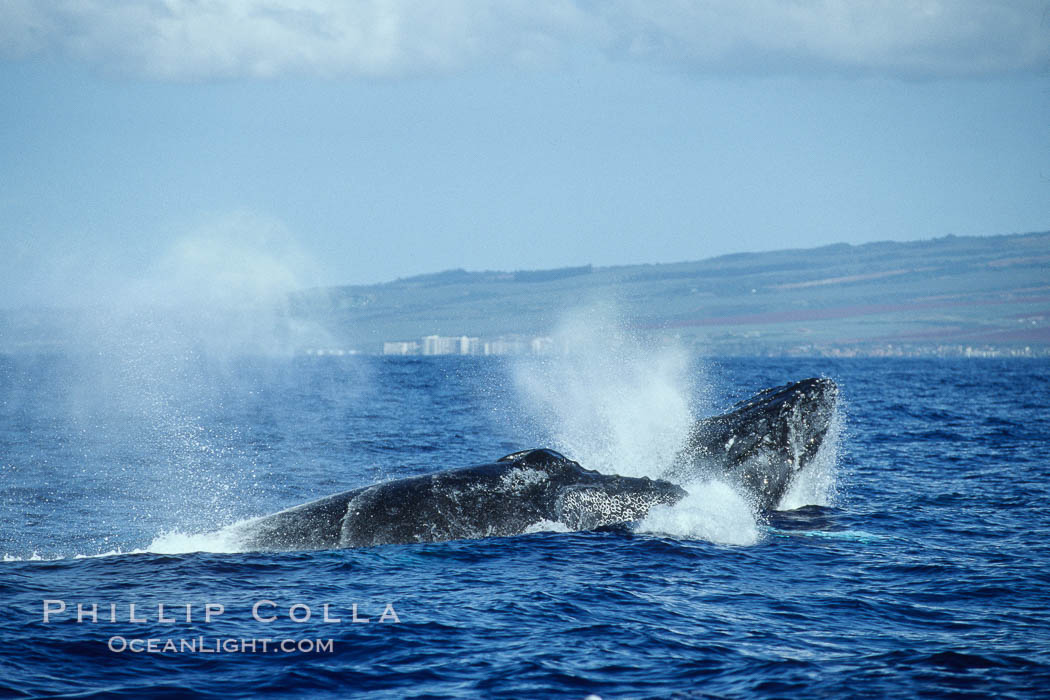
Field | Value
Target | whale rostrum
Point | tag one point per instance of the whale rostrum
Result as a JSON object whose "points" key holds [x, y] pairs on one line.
{"points": [[762, 443]]}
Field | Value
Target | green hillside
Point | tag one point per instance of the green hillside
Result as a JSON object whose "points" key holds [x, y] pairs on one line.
{"points": [[939, 296]]}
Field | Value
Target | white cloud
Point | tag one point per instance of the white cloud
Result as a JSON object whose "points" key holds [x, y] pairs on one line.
{"points": [[897, 37], [202, 39], [191, 39]]}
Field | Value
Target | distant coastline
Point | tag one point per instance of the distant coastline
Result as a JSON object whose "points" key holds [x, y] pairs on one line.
{"points": [[946, 297]]}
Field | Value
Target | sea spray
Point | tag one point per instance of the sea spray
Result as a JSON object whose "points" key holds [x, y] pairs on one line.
{"points": [[606, 398], [621, 404], [158, 361], [817, 483], [225, 540]]}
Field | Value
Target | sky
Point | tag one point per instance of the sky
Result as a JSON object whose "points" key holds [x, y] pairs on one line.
{"points": [[322, 142]]}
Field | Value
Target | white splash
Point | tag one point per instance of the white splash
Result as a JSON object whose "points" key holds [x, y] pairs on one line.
{"points": [[621, 405], [223, 289], [711, 511], [817, 483], [36, 556], [224, 541], [609, 400], [546, 526]]}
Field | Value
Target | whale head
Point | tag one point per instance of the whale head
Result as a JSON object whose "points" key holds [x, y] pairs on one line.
{"points": [[763, 442], [792, 419]]}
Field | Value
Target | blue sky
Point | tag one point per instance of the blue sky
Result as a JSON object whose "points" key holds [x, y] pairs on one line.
{"points": [[361, 142]]}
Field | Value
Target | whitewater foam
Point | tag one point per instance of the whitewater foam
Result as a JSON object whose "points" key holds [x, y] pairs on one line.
{"points": [[711, 510], [36, 556], [546, 526], [224, 541]]}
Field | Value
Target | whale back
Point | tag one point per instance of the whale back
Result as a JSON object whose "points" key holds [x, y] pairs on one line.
{"points": [[489, 500], [503, 498], [314, 525]]}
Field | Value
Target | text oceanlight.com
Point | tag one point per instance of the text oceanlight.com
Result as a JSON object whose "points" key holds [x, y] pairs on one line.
{"points": [[219, 645]]}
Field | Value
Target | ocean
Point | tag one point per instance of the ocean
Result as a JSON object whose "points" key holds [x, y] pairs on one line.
{"points": [[916, 562]]}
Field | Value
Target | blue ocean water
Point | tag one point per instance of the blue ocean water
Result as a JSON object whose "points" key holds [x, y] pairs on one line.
{"points": [[925, 569]]}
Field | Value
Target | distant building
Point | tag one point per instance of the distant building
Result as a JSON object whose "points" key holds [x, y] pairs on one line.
{"points": [[437, 345], [543, 345], [503, 346], [451, 345], [401, 348], [472, 345]]}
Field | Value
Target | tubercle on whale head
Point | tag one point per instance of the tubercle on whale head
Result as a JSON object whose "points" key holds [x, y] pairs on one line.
{"points": [[612, 500], [800, 410], [660, 490], [583, 498], [812, 388]]}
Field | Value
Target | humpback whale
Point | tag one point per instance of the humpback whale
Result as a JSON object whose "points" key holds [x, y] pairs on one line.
{"points": [[762, 443], [507, 497]]}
